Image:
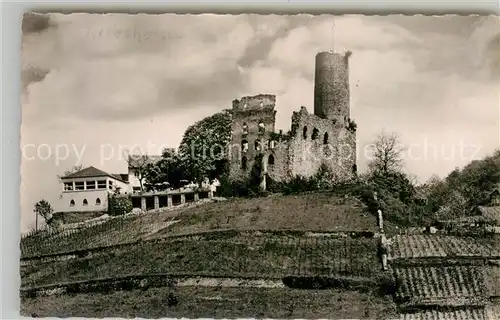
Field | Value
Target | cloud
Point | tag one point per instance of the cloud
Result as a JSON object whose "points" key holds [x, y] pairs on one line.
{"points": [[118, 67], [35, 28]]}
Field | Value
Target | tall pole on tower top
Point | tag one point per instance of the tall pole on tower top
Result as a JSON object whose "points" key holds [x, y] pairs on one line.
{"points": [[333, 35]]}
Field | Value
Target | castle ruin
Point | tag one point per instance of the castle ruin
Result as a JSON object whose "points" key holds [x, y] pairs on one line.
{"points": [[325, 138]]}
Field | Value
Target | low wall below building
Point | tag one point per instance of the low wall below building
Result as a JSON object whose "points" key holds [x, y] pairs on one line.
{"points": [[76, 216], [147, 201]]}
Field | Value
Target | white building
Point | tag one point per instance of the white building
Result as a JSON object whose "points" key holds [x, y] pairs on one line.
{"points": [[136, 165], [88, 190]]}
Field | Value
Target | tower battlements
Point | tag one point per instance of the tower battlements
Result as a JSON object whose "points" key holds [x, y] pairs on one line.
{"points": [[261, 101]]}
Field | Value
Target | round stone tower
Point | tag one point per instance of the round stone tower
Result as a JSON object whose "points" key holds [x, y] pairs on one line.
{"points": [[331, 85]]}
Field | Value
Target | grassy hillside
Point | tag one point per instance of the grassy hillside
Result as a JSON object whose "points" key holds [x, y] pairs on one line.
{"points": [[315, 211], [207, 302], [320, 211]]}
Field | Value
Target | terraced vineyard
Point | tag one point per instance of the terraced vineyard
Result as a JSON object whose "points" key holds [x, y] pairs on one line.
{"points": [[461, 314], [240, 256], [420, 246], [430, 284], [112, 232]]}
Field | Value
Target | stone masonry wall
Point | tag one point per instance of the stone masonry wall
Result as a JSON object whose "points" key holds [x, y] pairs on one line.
{"points": [[278, 171], [248, 113], [331, 85], [316, 142]]}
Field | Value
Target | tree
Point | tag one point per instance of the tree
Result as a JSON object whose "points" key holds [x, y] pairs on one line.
{"points": [[387, 154], [203, 148], [45, 210], [139, 164], [168, 169], [74, 169]]}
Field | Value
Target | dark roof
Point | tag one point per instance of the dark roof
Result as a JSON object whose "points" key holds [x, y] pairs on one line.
{"points": [[430, 246], [121, 176], [491, 213], [460, 314], [440, 286], [91, 172], [137, 160]]}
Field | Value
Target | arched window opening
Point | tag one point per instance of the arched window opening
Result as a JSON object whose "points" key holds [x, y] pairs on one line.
{"points": [[270, 160], [245, 128], [272, 144], [245, 105], [354, 168], [244, 163], [262, 127], [97, 202], [72, 203], [315, 134], [85, 202], [244, 146], [257, 145], [325, 138], [304, 133]]}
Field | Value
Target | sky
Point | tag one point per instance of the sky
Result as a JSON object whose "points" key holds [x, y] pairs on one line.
{"points": [[95, 85]]}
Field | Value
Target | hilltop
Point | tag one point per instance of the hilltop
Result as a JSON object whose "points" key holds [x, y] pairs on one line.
{"points": [[317, 212]]}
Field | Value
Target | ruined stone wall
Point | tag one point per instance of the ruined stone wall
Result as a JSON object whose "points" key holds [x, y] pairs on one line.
{"points": [[329, 138], [331, 85], [279, 170], [316, 142], [249, 114]]}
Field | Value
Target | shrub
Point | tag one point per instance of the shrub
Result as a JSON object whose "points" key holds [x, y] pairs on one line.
{"points": [[324, 179], [119, 205]]}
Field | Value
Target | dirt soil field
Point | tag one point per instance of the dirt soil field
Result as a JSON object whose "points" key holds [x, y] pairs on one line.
{"points": [[198, 302]]}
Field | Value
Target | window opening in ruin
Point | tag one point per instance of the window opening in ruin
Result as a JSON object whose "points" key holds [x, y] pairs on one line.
{"points": [[244, 163], [245, 106], [261, 104], [272, 144], [244, 145], [72, 203], [85, 202], [354, 168], [325, 138], [245, 128], [315, 134], [262, 127], [304, 133], [97, 202], [257, 145], [270, 160]]}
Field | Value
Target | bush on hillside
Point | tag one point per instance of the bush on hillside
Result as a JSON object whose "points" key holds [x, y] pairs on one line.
{"points": [[119, 205]]}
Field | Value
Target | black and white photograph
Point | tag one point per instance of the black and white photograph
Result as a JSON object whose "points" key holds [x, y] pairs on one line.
{"points": [[271, 166]]}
